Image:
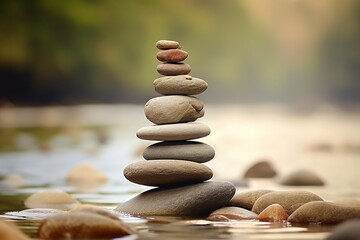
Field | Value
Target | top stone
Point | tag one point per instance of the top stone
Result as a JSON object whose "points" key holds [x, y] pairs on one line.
{"points": [[167, 44]]}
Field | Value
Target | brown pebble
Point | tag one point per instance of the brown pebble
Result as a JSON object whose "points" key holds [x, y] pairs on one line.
{"points": [[167, 44], [87, 208], [172, 55], [81, 225], [10, 231], [172, 69], [235, 213], [273, 213], [247, 199]]}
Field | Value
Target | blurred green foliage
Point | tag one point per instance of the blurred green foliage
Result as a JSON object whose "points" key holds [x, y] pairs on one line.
{"points": [[54, 52]]}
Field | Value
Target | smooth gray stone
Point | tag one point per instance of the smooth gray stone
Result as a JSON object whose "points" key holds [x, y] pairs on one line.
{"points": [[173, 109], [182, 150], [194, 200], [181, 84], [172, 69], [348, 230], [289, 200], [167, 172], [174, 132]]}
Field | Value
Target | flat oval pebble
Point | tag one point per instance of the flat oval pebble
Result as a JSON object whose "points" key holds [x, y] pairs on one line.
{"points": [[80, 225], [172, 69], [174, 132], [10, 231], [234, 213], [247, 199], [173, 109], [273, 213], [349, 230], [323, 212], [301, 177], [181, 84], [289, 200], [167, 44], [194, 200], [172, 55], [182, 150], [167, 172], [51, 198]]}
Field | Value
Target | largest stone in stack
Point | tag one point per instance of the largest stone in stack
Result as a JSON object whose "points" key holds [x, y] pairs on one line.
{"points": [[174, 165]]}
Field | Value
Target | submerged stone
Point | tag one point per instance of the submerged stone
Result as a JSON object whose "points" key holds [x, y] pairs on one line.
{"points": [[349, 230], [81, 225], [192, 200], [234, 213]]}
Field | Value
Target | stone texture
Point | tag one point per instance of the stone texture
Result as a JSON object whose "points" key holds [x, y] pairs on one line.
{"points": [[172, 69], [349, 230], [172, 55], [350, 202], [10, 231], [181, 84], [234, 213], [261, 169], [247, 199], [323, 212], [193, 200], [302, 178], [51, 198], [273, 213], [173, 109], [167, 44], [167, 172], [289, 200], [181, 150], [80, 225], [174, 132], [87, 208]]}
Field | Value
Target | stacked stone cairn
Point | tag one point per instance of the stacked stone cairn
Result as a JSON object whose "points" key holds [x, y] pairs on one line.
{"points": [[174, 164]]}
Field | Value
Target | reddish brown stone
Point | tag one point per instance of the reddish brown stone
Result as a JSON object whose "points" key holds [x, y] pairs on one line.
{"points": [[172, 55], [273, 213]]}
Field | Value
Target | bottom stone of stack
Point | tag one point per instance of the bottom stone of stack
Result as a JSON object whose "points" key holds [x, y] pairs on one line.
{"points": [[194, 200]]}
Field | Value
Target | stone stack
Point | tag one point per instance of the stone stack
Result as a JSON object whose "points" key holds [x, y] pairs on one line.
{"points": [[174, 165]]}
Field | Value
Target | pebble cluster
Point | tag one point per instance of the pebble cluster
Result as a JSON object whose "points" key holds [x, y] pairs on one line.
{"points": [[174, 164]]}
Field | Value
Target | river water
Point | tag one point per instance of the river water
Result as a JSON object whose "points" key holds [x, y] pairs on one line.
{"points": [[325, 140]]}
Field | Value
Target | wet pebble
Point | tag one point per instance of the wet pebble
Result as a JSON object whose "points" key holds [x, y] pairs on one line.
{"points": [[233, 213], [174, 132], [261, 169], [87, 208], [82, 225], [289, 200], [273, 213], [324, 212], [172, 55], [167, 172], [302, 178], [51, 198], [173, 109], [182, 84], [172, 69], [247, 199]]}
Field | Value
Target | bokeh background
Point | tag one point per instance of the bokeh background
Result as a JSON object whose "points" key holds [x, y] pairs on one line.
{"points": [[283, 83], [66, 52]]}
